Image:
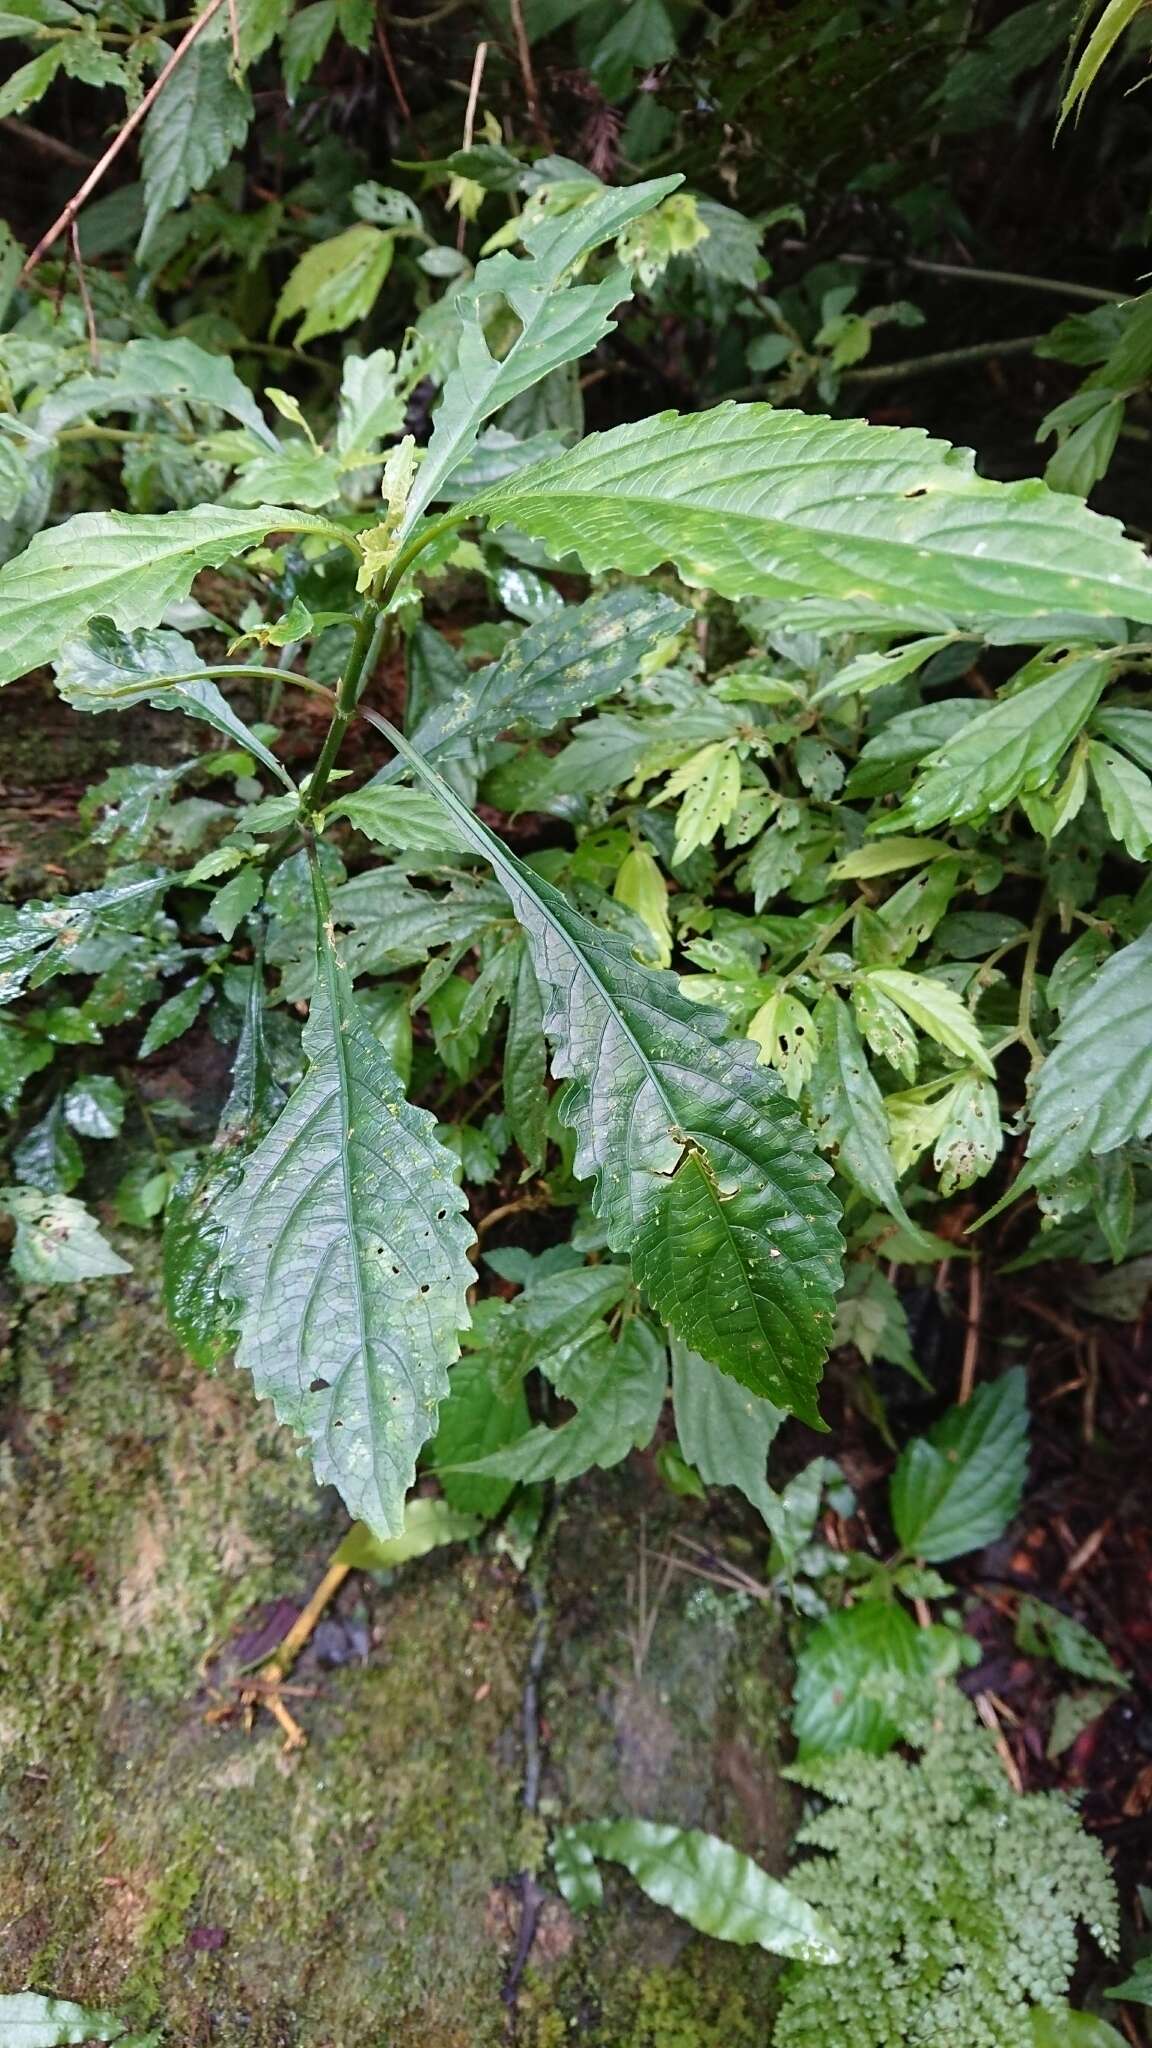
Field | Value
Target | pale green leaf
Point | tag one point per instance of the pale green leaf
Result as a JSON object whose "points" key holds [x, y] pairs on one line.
{"points": [[127, 566], [559, 321], [345, 1249], [406, 819], [104, 669], [231, 904], [295, 475], [641, 887], [1094, 1090], [190, 133], [708, 1883], [1043, 1631], [936, 1008], [57, 1241], [709, 784], [29, 82], [968, 1141], [703, 1171], [94, 1106], [1117, 16], [958, 1488], [427, 1525], [28, 2020], [847, 1670], [757, 503], [868, 672], [885, 857], [337, 282], [1127, 727], [1066, 2028], [174, 368], [1125, 793], [1013, 748], [371, 399]]}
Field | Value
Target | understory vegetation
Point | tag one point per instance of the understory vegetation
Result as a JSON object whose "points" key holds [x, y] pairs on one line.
{"points": [[604, 923]]}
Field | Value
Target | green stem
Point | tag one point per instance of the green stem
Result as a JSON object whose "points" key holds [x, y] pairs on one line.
{"points": [[1024, 1029], [365, 645], [944, 359], [830, 932]]}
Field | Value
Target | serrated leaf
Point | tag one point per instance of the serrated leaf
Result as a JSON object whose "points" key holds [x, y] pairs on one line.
{"points": [[559, 321], [127, 566], [526, 1098], [1043, 1631], [703, 1171], [173, 368], [969, 1139], [200, 118], [1127, 727], [846, 1667], [848, 1109], [193, 1221], [724, 1431], [752, 502], [617, 1390], [405, 819], [1094, 1090], [485, 1411], [708, 1883], [174, 1016], [336, 283], [958, 1488], [371, 400], [57, 1243], [871, 1316], [868, 672], [1125, 793], [234, 902], [1013, 748], [709, 785], [104, 669], [937, 1009], [641, 887], [345, 1249]]}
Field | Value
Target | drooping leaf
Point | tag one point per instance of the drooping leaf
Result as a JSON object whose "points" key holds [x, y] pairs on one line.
{"points": [[125, 565], [1094, 1090], [345, 1250], [848, 1109], [526, 1098], [1007, 751], [849, 1671], [958, 1488], [704, 1173], [559, 321], [936, 1008], [57, 1242], [1125, 793], [104, 669], [174, 1016], [337, 282], [173, 368], [485, 1411], [37, 940], [752, 502], [724, 1431], [705, 1881], [617, 1390], [193, 1219], [199, 119]]}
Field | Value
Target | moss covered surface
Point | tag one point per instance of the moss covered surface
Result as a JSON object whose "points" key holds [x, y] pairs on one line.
{"points": [[359, 1893]]}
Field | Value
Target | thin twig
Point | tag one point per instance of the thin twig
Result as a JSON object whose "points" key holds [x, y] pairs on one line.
{"points": [[987, 1713], [65, 219], [393, 75], [528, 76], [972, 1335], [234, 32], [965, 273], [46, 145], [478, 63], [85, 299], [944, 359]]}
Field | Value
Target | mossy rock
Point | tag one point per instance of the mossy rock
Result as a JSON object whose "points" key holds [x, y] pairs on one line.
{"points": [[166, 1861]]}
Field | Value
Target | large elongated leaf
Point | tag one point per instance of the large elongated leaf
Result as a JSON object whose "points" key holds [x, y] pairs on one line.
{"points": [[28, 2020], [848, 1109], [753, 502], [151, 369], [345, 1249], [193, 1220], [1095, 1087], [559, 322], [703, 1171], [959, 1487], [106, 670], [192, 130], [724, 1431], [707, 1882], [125, 565]]}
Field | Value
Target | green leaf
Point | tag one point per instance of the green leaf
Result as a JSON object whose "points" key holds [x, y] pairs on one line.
{"points": [[1007, 751], [485, 1411], [641, 887], [851, 1669], [1064, 2028], [193, 1219], [958, 1488], [1127, 727], [885, 857], [752, 502], [174, 1016], [47, 1156], [617, 1390], [526, 1098], [57, 1242], [304, 42], [705, 1881], [709, 784], [936, 1008], [427, 1525], [1043, 1631], [559, 321], [871, 1316], [1117, 16], [704, 1172], [371, 401], [129, 566], [170, 369], [1094, 1090], [345, 1249], [868, 672], [336, 283], [104, 669], [94, 1106], [848, 1109], [29, 82], [21, 1055], [1125, 793], [234, 902], [199, 119], [724, 1431], [407, 819], [1138, 1986]]}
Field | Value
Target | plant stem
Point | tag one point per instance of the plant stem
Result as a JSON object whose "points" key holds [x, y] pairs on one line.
{"points": [[970, 273], [944, 359], [365, 645], [1024, 1029], [830, 932]]}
